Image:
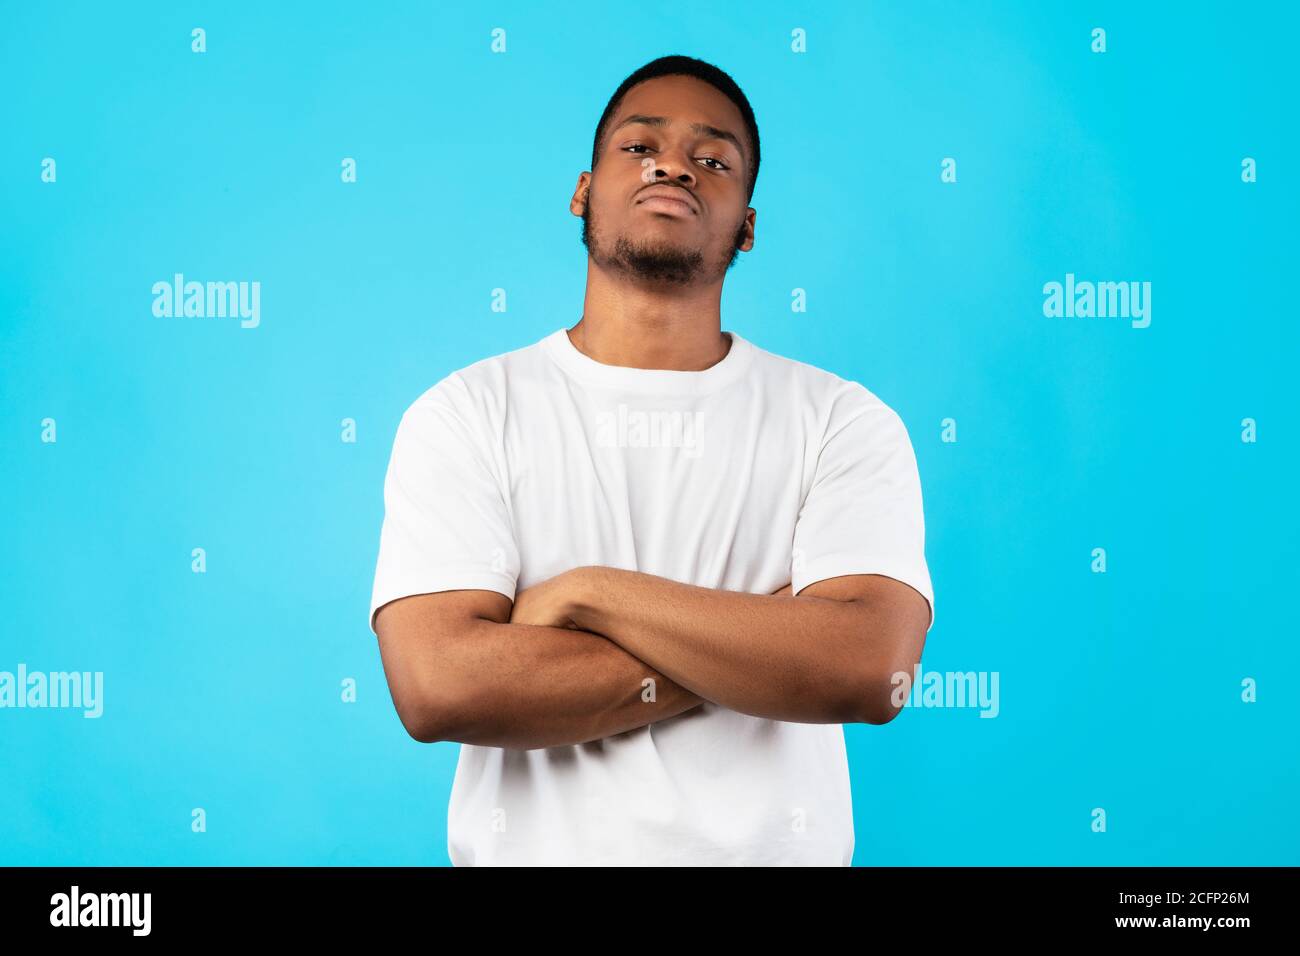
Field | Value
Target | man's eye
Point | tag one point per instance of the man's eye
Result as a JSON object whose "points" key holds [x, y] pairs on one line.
{"points": [[711, 159]]}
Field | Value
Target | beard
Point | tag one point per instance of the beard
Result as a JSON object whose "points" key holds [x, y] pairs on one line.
{"points": [[655, 261]]}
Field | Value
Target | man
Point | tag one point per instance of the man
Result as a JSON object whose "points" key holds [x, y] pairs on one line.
{"points": [[642, 569]]}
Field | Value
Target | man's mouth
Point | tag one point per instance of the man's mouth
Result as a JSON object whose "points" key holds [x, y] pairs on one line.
{"points": [[667, 199], [673, 207]]}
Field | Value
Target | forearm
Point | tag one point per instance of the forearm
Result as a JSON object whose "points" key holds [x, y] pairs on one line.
{"points": [[788, 658], [521, 686]]}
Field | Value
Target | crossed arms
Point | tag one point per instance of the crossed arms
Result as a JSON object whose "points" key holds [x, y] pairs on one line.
{"points": [[599, 651]]}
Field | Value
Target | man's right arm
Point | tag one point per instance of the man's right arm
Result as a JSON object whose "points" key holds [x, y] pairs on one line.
{"points": [[459, 671]]}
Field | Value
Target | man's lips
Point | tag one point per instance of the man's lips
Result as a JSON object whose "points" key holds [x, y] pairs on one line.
{"points": [[669, 199]]}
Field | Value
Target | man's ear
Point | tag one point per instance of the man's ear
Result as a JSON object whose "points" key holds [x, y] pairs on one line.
{"points": [[582, 192]]}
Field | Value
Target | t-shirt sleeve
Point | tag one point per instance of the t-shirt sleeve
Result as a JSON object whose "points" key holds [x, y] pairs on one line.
{"points": [[446, 525], [863, 512]]}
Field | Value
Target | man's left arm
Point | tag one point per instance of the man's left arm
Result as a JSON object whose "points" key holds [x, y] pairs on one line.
{"points": [[827, 655]]}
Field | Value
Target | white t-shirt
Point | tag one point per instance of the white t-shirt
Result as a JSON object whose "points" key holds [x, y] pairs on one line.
{"points": [[755, 473]]}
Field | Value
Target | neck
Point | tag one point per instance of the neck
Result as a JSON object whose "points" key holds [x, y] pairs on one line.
{"points": [[650, 328]]}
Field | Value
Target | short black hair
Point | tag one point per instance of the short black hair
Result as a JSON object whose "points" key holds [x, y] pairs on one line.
{"points": [[685, 66]]}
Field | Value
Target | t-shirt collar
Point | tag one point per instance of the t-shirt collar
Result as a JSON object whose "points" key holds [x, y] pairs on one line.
{"points": [[650, 380]]}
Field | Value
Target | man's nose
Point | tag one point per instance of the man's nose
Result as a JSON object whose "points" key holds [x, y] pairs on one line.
{"points": [[674, 164]]}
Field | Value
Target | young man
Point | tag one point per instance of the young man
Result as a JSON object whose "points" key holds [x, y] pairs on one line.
{"points": [[642, 569]]}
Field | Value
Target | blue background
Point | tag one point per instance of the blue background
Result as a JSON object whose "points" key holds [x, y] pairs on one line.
{"points": [[1119, 690]]}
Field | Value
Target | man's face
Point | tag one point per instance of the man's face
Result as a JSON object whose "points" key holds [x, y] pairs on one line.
{"points": [[628, 226]]}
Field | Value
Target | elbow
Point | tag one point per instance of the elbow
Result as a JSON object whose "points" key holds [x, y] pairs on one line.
{"points": [[422, 731], [881, 715], [878, 698], [431, 716], [419, 724], [422, 642], [872, 711]]}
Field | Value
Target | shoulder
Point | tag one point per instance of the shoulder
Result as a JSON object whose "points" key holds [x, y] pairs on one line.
{"points": [[834, 400], [481, 388]]}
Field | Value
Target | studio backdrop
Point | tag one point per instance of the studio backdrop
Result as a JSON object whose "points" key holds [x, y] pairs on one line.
{"points": [[1057, 238]]}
